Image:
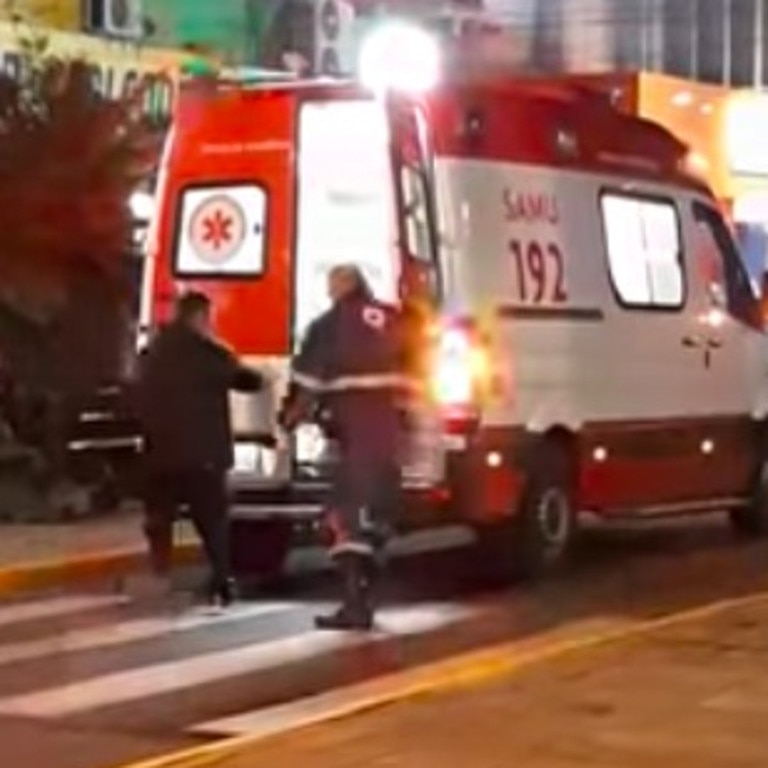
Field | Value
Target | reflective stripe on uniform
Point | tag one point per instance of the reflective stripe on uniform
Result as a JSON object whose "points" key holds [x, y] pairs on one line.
{"points": [[348, 383], [368, 381], [352, 548], [308, 382]]}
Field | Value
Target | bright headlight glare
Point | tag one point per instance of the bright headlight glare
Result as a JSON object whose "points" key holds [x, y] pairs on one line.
{"points": [[142, 205], [452, 383], [399, 57], [459, 368]]}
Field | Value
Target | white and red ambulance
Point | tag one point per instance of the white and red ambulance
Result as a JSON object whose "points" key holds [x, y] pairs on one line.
{"points": [[591, 339]]}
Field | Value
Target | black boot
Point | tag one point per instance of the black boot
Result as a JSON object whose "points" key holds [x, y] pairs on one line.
{"points": [[356, 612], [222, 593]]}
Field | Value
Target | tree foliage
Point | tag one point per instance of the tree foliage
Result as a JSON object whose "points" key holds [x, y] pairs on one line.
{"points": [[69, 160]]}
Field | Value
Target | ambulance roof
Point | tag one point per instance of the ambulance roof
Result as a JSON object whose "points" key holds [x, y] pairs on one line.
{"points": [[557, 121]]}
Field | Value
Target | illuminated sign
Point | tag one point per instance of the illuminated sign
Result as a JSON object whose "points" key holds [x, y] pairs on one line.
{"points": [[117, 67], [746, 135]]}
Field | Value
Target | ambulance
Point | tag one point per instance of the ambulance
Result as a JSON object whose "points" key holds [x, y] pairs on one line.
{"points": [[589, 340]]}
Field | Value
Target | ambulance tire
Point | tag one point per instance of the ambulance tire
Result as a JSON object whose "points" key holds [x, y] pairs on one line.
{"points": [[538, 539], [751, 521]]}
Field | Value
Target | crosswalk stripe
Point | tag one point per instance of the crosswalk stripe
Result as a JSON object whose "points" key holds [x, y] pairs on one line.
{"points": [[18, 613], [128, 686], [111, 635]]}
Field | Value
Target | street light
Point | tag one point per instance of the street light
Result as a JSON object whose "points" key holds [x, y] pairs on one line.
{"points": [[142, 205], [400, 57]]}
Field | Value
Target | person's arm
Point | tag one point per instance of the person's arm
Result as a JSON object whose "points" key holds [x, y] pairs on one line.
{"points": [[241, 378], [309, 367], [230, 373], [308, 373], [245, 379]]}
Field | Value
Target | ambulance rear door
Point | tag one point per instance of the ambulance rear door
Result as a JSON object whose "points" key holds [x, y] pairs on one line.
{"points": [[225, 227], [411, 158]]}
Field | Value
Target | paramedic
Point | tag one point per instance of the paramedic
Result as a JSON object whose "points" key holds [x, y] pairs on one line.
{"points": [[350, 365]]}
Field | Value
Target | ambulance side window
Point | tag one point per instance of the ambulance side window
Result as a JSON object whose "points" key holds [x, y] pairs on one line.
{"points": [[645, 253], [733, 283], [416, 213], [413, 155]]}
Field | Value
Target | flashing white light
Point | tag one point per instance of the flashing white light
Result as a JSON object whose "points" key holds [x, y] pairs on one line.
{"points": [[460, 368], [683, 99], [697, 163], [142, 205], [713, 318], [399, 57], [453, 382], [745, 136], [494, 459]]}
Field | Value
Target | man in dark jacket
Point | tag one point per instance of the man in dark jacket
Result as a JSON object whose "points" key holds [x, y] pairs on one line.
{"points": [[184, 382], [351, 360]]}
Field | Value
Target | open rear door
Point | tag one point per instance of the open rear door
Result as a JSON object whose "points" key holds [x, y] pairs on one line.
{"points": [[225, 226], [418, 247]]}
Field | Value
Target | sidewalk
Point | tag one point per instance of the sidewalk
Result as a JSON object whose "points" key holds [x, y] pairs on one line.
{"points": [[50, 555], [692, 694], [21, 544]]}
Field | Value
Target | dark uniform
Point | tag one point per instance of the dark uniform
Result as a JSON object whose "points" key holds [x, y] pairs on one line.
{"points": [[351, 361], [183, 388]]}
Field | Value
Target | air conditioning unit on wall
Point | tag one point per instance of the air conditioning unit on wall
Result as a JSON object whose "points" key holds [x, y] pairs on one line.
{"points": [[334, 37], [116, 18]]}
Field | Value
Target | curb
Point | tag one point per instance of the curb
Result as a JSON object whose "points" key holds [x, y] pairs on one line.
{"points": [[467, 670], [45, 574]]}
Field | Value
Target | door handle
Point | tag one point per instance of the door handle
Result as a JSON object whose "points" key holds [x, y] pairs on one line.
{"points": [[692, 342]]}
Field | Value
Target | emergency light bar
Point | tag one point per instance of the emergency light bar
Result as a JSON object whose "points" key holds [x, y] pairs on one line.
{"points": [[401, 57]]}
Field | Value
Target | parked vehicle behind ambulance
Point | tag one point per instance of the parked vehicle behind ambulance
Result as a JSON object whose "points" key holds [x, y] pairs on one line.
{"points": [[589, 338]]}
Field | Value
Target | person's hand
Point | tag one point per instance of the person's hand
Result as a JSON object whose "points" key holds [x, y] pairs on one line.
{"points": [[287, 416], [282, 440]]}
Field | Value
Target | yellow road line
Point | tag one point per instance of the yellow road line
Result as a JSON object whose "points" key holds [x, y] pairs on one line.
{"points": [[66, 571], [467, 670]]}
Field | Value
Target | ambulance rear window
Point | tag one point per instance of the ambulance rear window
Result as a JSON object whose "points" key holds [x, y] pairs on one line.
{"points": [[221, 231], [643, 241]]}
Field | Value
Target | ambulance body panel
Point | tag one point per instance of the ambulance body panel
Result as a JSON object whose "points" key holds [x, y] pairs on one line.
{"points": [[560, 241]]}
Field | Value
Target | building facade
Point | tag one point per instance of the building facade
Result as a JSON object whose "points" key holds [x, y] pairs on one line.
{"points": [[230, 32], [713, 41]]}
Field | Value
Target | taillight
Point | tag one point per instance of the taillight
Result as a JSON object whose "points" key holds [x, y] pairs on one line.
{"points": [[460, 371]]}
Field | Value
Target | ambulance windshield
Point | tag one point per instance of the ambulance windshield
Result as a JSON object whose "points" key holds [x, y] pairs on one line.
{"points": [[345, 208]]}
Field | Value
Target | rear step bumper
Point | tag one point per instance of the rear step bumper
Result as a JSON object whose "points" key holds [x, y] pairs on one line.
{"points": [[302, 506], [297, 513]]}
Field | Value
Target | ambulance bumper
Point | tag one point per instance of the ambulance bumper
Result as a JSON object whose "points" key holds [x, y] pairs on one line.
{"points": [[301, 506]]}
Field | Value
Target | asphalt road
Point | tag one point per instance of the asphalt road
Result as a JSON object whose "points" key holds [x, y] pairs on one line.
{"points": [[94, 680]]}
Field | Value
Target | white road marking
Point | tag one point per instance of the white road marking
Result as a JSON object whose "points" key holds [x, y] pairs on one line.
{"points": [[270, 721], [111, 635], [169, 677], [17, 613]]}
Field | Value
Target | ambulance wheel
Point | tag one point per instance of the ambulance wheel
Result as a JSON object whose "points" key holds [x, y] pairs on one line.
{"points": [[751, 521], [538, 539]]}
